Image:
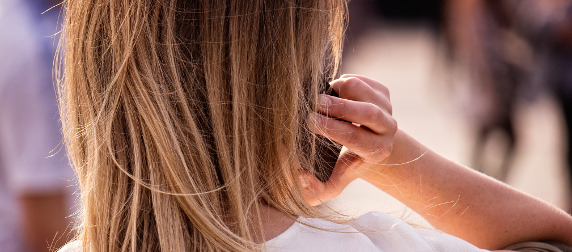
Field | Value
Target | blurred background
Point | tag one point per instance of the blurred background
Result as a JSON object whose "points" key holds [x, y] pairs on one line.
{"points": [[486, 83], [36, 182]]}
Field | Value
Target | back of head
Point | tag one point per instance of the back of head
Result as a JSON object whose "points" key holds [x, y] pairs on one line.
{"points": [[183, 117]]}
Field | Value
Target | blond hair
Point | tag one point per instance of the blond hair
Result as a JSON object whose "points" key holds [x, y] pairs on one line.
{"points": [[182, 117]]}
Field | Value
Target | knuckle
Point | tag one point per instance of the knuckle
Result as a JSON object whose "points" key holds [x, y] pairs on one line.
{"points": [[374, 114], [383, 151], [383, 94], [392, 126], [384, 90], [352, 83], [353, 87], [387, 151]]}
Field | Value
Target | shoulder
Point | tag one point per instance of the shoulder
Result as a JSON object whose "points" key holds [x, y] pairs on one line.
{"points": [[74, 246], [395, 234], [371, 232], [312, 234]]}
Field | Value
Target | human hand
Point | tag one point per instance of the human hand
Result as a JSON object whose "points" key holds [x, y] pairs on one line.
{"points": [[366, 133]]}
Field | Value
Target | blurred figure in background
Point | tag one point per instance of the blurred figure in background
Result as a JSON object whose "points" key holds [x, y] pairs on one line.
{"points": [[483, 39], [511, 48], [429, 12], [34, 173], [522, 44], [366, 14], [553, 64]]}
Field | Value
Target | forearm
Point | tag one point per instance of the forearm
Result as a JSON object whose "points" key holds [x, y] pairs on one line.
{"points": [[453, 198], [465, 203]]}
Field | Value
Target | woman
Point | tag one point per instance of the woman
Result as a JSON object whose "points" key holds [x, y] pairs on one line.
{"points": [[191, 125]]}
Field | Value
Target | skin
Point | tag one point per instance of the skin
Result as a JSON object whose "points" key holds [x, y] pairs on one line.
{"points": [[453, 198]]}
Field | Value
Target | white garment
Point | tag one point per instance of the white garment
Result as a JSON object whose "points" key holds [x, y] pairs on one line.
{"points": [[371, 232]]}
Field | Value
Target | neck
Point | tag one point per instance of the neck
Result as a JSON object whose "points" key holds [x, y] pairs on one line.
{"points": [[274, 223]]}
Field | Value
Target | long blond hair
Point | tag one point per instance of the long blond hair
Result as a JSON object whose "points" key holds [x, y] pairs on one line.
{"points": [[182, 117]]}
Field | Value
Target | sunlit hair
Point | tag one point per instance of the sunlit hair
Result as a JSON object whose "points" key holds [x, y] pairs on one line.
{"points": [[183, 117]]}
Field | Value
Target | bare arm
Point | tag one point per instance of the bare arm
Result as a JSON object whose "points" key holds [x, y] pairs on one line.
{"points": [[453, 198], [466, 203]]}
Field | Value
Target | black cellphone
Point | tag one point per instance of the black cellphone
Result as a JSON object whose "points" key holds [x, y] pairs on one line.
{"points": [[327, 151]]}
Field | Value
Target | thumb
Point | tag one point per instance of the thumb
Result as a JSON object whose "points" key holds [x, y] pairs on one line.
{"points": [[317, 192]]}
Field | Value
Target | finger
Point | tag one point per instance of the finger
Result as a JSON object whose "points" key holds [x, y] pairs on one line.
{"points": [[344, 172], [355, 89], [359, 140], [376, 85], [358, 90], [381, 102], [313, 189], [317, 192], [367, 114]]}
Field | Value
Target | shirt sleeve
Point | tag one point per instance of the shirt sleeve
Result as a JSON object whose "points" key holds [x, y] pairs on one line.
{"points": [[371, 232], [391, 234]]}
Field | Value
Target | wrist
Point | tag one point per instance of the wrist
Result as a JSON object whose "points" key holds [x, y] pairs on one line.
{"points": [[406, 153]]}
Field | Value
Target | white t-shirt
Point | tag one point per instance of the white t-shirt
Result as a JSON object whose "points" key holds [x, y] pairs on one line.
{"points": [[371, 232], [374, 231]]}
